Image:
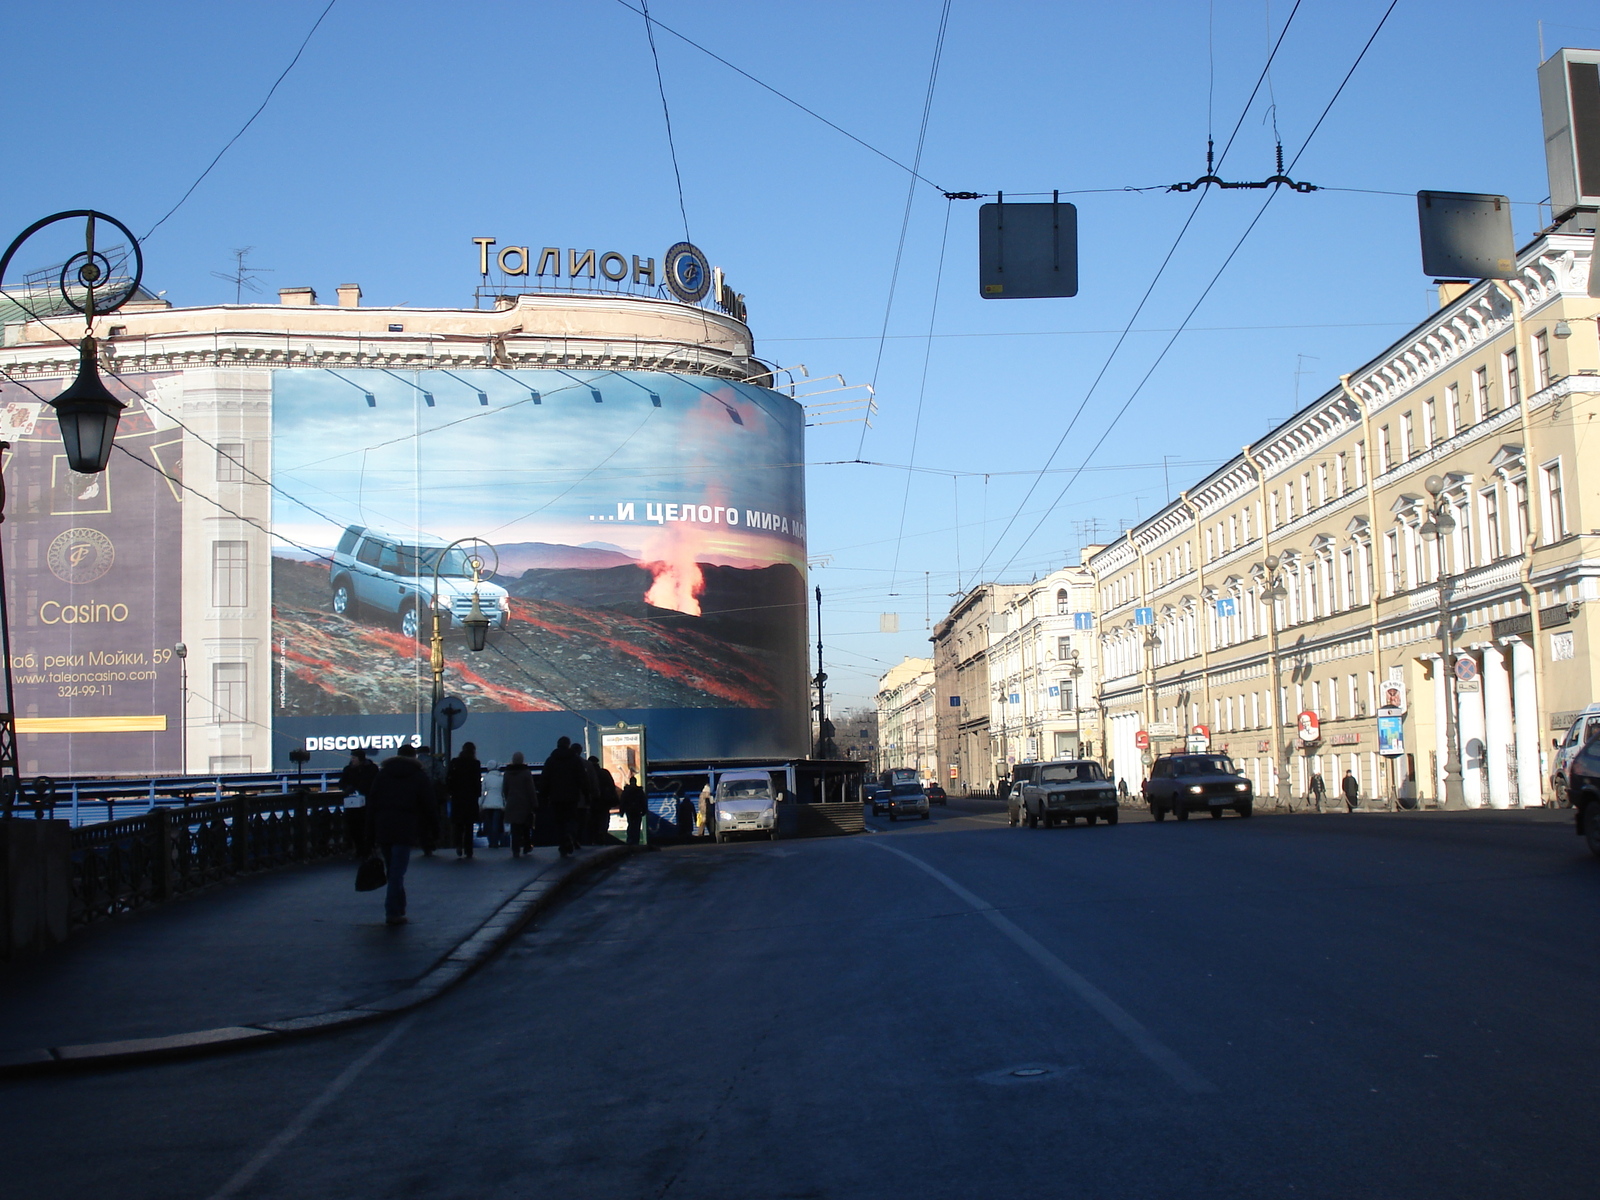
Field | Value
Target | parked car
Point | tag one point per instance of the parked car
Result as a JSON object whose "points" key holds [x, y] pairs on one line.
{"points": [[936, 794], [1583, 788], [1067, 789], [745, 802], [1020, 774], [394, 577], [1586, 727], [1183, 783], [907, 800], [878, 797]]}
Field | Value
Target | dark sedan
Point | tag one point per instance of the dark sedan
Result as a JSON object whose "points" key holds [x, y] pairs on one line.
{"points": [[936, 794], [1184, 783], [1583, 787]]}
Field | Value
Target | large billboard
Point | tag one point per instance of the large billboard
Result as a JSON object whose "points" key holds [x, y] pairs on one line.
{"points": [[648, 531], [93, 576]]}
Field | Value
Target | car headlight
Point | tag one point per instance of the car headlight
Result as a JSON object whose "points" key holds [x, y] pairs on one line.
{"points": [[1241, 787], [1196, 790]]}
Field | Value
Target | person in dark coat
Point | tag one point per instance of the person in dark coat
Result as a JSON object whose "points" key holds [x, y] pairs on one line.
{"points": [[634, 807], [1352, 791], [464, 783], [398, 802], [355, 781], [436, 817], [517, 789], [1318, 790], [603, 804], [562, 785]]}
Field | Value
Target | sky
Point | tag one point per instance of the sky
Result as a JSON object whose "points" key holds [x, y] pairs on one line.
{"points": [[407, 129]]}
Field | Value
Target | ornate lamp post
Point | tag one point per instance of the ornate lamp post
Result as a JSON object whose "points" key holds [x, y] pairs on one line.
{"points": [[1076, 672], [475, 624], [1440, 522], [1274, 593], [94, 281]]}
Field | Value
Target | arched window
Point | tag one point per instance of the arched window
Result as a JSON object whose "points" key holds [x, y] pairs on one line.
{"points": [[1063, 602]]}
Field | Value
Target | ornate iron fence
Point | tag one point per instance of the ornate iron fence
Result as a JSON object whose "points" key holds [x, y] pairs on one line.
{"points": [[122, 865]]}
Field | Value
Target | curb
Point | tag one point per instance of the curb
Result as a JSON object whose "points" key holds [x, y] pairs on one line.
{"points": [[471, 953]]}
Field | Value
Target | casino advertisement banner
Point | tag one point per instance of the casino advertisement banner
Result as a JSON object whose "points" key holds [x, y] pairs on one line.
{"points": [[648, 531], [93, 573]]}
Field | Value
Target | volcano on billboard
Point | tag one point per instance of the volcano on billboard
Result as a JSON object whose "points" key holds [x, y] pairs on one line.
{"points": [[645, 533]]}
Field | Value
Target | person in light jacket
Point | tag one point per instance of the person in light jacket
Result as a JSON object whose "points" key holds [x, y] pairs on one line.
{"points": [[520, 797]]}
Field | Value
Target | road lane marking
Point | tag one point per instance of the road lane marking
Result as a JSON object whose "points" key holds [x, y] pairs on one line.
{"points": [[308, 1114], [1115, 1015]]}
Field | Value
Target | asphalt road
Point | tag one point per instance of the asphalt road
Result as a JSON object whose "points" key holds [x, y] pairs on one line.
{"points": [[1335, 1006]]}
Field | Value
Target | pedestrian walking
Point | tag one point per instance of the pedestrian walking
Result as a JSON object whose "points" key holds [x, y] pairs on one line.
{"points": [[561, 787], [1317, 792], [634, 806], [355, 781], [435, 818], [603, 805], [703, 818], [520, 797], [1352, 791], [399, 798], [492, 808], [464, 782]]}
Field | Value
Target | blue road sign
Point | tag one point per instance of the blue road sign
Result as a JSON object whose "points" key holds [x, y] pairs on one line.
{"points": [[1144, 616], [1227, 607]]}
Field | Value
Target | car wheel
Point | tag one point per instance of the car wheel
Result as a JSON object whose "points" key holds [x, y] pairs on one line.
{"points": [[772, 835], [1181, 813], [410, 623], [1591, 826], [1110, 817], [927, 816], [1558, 785], [1245, 810], [1158, 812], [343, 603]]}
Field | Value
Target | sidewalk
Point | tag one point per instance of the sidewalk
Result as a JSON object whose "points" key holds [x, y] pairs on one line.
{"points": [[278, 953]]}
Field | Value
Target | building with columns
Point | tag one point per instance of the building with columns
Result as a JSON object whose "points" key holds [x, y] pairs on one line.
{"points": [[1043, 670], [907, 732], [1312, 570]]}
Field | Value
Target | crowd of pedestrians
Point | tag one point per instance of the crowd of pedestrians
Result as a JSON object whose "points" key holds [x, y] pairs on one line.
{"points": [[396, 807]]}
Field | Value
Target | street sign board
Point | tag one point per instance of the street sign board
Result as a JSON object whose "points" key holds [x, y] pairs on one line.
{"points": [[1027, 251], [1200, 731], [1144, 616], [1083, 620], [1392, 698], [1141, 739], [1308, 726], [1466, 234], [1196, 743], [451, 712], [1227, 607], [1162, 729], [955, 701]]}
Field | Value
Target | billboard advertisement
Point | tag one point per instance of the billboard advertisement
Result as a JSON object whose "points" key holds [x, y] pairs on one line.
{"points": [[646, 538], [93, 576]]}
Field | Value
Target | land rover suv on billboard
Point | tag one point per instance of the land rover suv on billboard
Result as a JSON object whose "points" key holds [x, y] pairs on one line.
{"points": [[394, 577]]}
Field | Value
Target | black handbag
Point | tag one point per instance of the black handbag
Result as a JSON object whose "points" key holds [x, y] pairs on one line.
{"points": [[371, 875]]}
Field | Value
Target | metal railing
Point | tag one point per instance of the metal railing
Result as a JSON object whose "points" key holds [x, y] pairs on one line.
{"points": [[87, 800], [129, 863]]}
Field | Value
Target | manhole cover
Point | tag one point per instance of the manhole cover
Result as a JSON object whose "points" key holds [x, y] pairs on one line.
{"points": [[1029, 1072], [1034, 1072]]}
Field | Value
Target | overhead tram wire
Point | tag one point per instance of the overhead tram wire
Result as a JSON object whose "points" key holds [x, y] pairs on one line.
{"points": [[1143, 300], [306, 41], [1050, 509], [787, 99], [911, 195], [922, 392]]}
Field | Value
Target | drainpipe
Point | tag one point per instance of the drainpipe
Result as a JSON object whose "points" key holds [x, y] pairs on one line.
{"points": [[1535, 527], [1372, 526]]}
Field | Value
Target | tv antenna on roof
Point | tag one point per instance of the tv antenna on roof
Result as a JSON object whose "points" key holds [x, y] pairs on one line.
{"points": [[243, 276]]}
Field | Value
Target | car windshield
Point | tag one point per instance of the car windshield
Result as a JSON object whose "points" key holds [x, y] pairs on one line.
{"points": [[420, 560], [1207, 765], [1083, 772], [743, 789]]}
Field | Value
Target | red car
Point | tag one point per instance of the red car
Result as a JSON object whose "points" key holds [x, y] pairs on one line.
{"points": [[935, 794]]}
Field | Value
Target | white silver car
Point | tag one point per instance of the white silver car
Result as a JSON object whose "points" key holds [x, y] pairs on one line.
{"points": [[745, 802], [394, 576]]}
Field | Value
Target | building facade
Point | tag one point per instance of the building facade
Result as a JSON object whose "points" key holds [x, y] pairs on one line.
{"points": [[1043, 669], [961, 683], [907, 731], [586, 439], [1281, 599]]}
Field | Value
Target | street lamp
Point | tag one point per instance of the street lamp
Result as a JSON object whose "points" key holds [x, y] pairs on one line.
{"points": [[1274, 593], [182, 652], [1440, 522], [475, 623], [1076, 672]]}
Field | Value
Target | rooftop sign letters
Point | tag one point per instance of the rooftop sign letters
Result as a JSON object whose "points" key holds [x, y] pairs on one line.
{"points": [[684, 270]]}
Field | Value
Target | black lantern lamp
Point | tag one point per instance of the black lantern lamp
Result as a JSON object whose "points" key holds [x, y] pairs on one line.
{"points": [[87, 413], [476, 625]]}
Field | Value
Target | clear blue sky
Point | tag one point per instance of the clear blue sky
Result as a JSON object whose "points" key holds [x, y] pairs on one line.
{"points": [[408, 128]]}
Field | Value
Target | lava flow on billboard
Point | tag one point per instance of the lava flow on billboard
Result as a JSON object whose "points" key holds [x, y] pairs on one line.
{"points": [[93, 575], [647, 537]]}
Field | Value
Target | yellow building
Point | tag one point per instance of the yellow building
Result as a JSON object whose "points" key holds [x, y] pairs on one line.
{"points": [[1496, 400]]}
